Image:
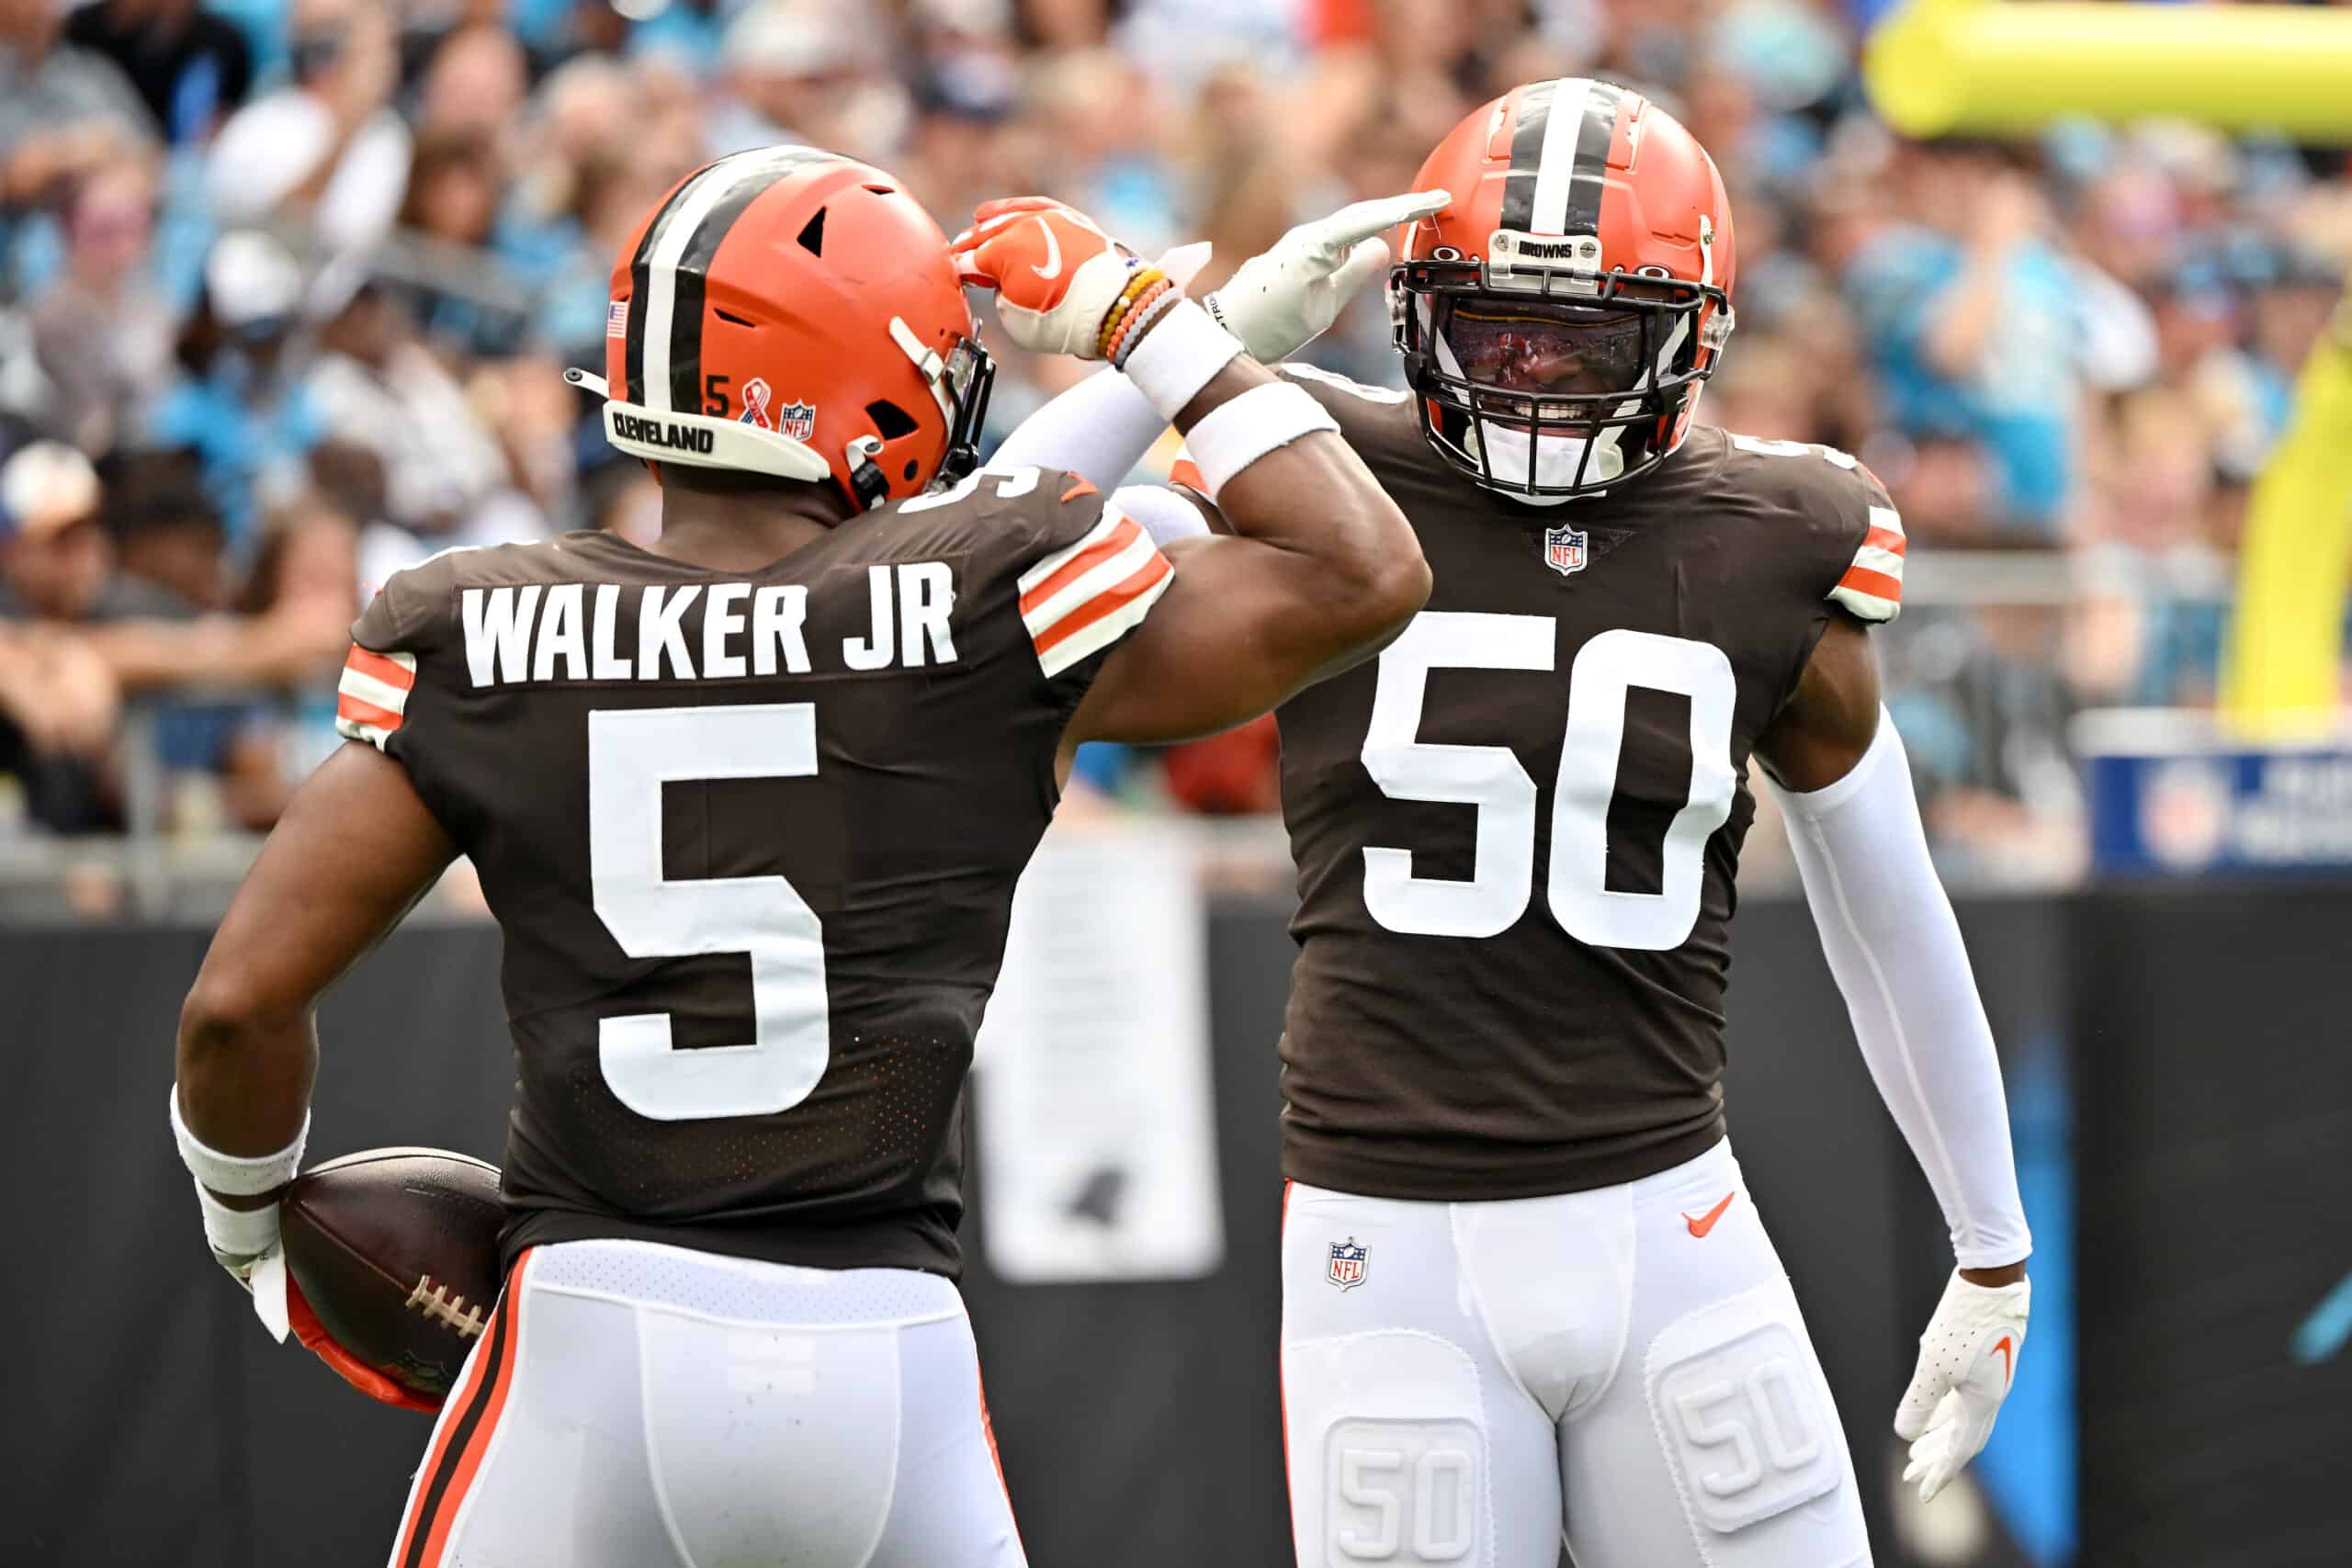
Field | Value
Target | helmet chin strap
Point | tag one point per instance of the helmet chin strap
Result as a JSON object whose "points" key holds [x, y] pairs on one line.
{"points": [[928, 364], [869, 487]]}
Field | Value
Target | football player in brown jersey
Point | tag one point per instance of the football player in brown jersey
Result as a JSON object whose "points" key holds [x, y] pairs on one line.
{"points": [[749, 805], [1526, 1294]]}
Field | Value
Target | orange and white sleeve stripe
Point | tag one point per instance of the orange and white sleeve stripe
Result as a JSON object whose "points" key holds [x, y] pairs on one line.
{"points": [[1872, 586], [1084, 598], [371, 701]]}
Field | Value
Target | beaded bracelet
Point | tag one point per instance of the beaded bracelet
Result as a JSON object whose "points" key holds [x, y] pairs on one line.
{"points": [[1137, 288], [1133, 314], [1139, 321]]}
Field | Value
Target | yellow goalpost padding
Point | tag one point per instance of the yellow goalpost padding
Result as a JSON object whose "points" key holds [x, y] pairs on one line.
{"points": [[2282, 671], [1986, 68], [1983, 67]]}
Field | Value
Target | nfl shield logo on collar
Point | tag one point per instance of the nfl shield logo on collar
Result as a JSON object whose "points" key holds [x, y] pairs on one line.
{"points": [[1564, 550], [1347, 1265]]}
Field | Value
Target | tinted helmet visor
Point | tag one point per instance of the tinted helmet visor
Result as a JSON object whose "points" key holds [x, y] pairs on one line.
{"points": [[1546, 347]]}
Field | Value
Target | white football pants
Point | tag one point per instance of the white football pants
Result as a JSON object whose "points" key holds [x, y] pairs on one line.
{"points": [[1624, 1368], [640, 1406]]}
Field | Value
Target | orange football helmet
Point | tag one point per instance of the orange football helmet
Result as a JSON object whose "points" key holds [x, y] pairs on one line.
{"points": [[790, 312], [1559, 317]]}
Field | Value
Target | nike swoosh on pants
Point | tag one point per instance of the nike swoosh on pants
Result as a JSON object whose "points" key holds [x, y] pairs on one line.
{"points": [[1703, 1224]]}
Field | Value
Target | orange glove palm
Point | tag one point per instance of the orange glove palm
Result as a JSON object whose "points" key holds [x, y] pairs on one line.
{"points": [[1057, 275]]}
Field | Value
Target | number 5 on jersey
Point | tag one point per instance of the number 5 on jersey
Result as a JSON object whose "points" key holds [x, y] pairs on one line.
{"points": [[631, 754], [1491, 779]]}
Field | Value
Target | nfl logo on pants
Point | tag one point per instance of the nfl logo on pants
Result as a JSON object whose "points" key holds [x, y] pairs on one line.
{"points": [[1346, 1267], [1564, 550]]}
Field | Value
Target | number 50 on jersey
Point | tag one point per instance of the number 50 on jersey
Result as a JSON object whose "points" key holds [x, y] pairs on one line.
{"points": [[1491, 779]]}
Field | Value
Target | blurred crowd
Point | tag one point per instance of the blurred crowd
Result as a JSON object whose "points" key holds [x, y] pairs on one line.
{"points": [[285, 287]]}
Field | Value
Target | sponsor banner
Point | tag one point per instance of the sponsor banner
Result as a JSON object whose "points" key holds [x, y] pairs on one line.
{"points": [[2172, 795]]}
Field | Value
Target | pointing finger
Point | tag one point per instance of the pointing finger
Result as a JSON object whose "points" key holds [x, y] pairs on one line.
{"points": [[1406, 209], [1367, 260], [1365, 220]]}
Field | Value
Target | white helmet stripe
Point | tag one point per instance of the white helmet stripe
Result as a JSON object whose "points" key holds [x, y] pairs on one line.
{"points": [[712, 187], [1557, 160]]}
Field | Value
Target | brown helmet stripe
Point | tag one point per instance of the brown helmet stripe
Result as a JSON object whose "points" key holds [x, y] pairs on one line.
{"points": [[633, 354], [1526, 155], [1588, 173], [666, 309], [694, 266], [1559, 156]]}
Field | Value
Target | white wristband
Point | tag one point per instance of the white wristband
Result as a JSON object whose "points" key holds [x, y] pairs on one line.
{"points": [[1236, 434], [236, 1175], [237, 1232], [1182, 353]]}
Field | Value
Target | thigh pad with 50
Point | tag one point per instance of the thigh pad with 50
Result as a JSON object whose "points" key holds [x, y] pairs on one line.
{"points": [[1741, 1410], [1395, 1465]]}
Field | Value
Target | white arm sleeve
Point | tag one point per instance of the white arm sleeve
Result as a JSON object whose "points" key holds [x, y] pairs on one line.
{"points": [[1165, 515], [1896, 950], [1099, 428]]}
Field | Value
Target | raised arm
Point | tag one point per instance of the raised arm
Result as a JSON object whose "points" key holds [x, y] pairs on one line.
{"points": [[1276, 303], [1844, 786], [1321, 568]]}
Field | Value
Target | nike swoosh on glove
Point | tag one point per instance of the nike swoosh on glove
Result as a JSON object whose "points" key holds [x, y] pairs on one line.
{"points": [[1285, 298], [1056, 273], [1968, 1359]]}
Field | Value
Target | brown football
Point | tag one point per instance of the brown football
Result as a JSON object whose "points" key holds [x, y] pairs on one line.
{"points": [[397, 1252]]}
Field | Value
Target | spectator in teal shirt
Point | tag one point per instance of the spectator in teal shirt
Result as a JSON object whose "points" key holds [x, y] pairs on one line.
{"points": [[1971, 318], [247, 421]]}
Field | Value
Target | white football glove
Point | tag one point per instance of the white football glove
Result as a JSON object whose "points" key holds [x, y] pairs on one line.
{"points": [[246, 1243], [1968, 1357], [1282, 300]]}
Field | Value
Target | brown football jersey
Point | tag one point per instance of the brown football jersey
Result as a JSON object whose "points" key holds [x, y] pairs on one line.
{"points": [[752, 839], [1517, 828]]}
